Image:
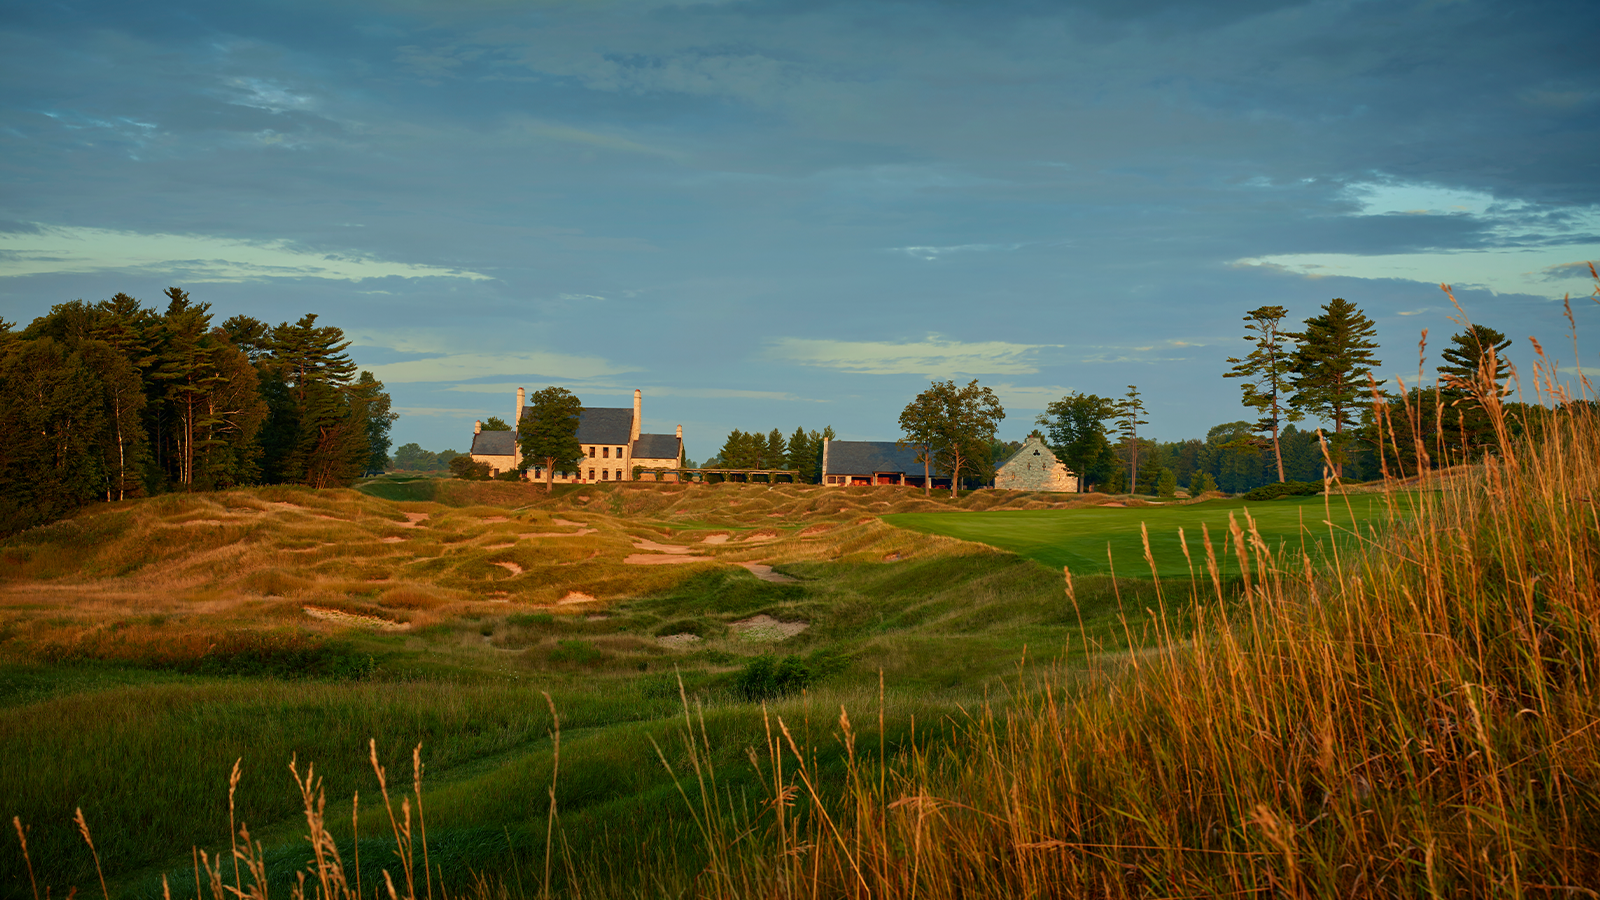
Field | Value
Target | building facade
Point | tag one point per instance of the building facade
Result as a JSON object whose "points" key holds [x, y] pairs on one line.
{"points": [[861, 463], [612, 444], [1035, 468]]}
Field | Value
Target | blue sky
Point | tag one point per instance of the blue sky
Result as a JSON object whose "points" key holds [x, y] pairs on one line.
{"points": [[770, 214]]}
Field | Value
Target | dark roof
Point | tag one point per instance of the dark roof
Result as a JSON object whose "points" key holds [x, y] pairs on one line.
{"points": [[656, 446], [494, 443], [605, 425], [867, 457]]}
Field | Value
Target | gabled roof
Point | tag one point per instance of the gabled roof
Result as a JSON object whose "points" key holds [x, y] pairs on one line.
{"points": [[867, 457], [494, 443], [655, 446], [1033, 446], [605, 425]]}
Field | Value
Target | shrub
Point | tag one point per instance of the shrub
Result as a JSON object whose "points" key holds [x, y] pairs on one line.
{"points": [[464, 468], [1279, 489], [766, 678], [580, 653]]}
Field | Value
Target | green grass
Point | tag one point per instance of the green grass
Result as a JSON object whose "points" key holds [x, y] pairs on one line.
{"points": [[1079, 538]]}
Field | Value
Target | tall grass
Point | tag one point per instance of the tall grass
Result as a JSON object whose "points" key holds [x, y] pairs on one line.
{"points": [[1419, 719]]}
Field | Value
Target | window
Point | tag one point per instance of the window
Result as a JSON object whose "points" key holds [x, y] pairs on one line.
{"points": [[605, 452], [591, 453], [605, 474], [591, 474], [619, 453]]}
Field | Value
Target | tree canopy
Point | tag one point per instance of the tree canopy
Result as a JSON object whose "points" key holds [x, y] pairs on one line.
{"points": [[1268, 366], [1075, 430], [548, 432], [1332, 367], [954, 424]]}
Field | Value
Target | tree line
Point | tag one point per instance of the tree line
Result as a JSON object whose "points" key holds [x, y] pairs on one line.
{"points": [[113, 400], [800, 451]]}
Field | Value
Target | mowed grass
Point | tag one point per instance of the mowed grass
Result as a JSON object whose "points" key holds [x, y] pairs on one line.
{"points": [[1080, 538]]}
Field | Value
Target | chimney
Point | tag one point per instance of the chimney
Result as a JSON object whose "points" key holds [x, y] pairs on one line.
{"points": [[680, 432], [638, 405], [522, 400], [477, 427], [825, 443]]}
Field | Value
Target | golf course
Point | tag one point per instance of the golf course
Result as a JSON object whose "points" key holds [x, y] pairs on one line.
{"points": [[1110, 540]]}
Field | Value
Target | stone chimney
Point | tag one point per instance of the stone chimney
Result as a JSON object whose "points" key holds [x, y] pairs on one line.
{"points": [[522, 400], [638, 414], [680, 432], [477, 427]]}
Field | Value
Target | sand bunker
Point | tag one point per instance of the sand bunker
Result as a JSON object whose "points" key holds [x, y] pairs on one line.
{"points": [[413, 519], [660, 559], [760, 536], [679, 641], [660, 548], [764, 629], [511, 567], [576, 597], [391, 539], [714, 539], [498, 546], [353, 620], [494, 519], [567, 522], [815, 529], [765, 573]]}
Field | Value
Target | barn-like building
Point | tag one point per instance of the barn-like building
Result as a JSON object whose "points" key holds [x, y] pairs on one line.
{"points": [[1035, 468], [858, 463]]}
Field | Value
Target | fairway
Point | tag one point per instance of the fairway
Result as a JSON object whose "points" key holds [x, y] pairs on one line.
{"points": [[1078, 538]]}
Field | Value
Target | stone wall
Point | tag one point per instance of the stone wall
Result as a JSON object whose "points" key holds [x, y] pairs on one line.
{"points": [[1035, 468]]}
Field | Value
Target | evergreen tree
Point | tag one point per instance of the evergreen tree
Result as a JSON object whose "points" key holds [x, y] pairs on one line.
{"points": [[1129, 408], [1331, 368], [50, 417], [495, 423], [1472, 381], [802, 456], [774, 452], [1269, 366], [548, 432]]}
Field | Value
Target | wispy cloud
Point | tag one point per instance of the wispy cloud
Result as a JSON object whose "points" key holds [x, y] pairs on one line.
{"points": [[1547, 271], [469, 366], [933, 357], [1027, 397], [47, 249], [932, 253]]}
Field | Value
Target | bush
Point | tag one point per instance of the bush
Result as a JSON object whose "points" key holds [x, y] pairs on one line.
{"points": [[1279, 489], [581, 653], [766, 678], [464, 468]]}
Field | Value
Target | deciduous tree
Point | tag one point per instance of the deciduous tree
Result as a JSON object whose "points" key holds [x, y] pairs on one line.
{"points": [[1075, 429], [956, 423], [548, 432]]}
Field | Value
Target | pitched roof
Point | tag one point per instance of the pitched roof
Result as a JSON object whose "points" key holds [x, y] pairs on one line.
{"points": [[494, 443], [1033, 446], [867, 457], [605, 425], [656, 446]]}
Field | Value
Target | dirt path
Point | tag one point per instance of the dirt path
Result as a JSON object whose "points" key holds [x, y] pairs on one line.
{"points": [[765, 573]]}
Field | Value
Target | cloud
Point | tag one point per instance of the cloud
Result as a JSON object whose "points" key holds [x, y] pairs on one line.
{"points": [[1547, 271], [467, 366], [1025, 397], [48, 249], [932, 253], [440, 412], [933, 357]]}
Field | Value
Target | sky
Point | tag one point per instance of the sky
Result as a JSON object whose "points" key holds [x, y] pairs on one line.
{"points": [[777, 213]]}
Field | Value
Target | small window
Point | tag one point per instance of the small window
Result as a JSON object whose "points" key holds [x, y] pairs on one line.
{"points": [[605, 474], [591, 453], [591, 474], [619, 453]]}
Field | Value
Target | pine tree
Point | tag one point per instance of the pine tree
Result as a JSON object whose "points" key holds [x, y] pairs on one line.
{"points": [[1129, 408], [1472, 380], [1331, 366], [1269, 366], [47, 460]]}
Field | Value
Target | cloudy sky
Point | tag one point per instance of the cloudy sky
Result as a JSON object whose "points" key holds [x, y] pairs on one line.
{"points": [[777, 212]]}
